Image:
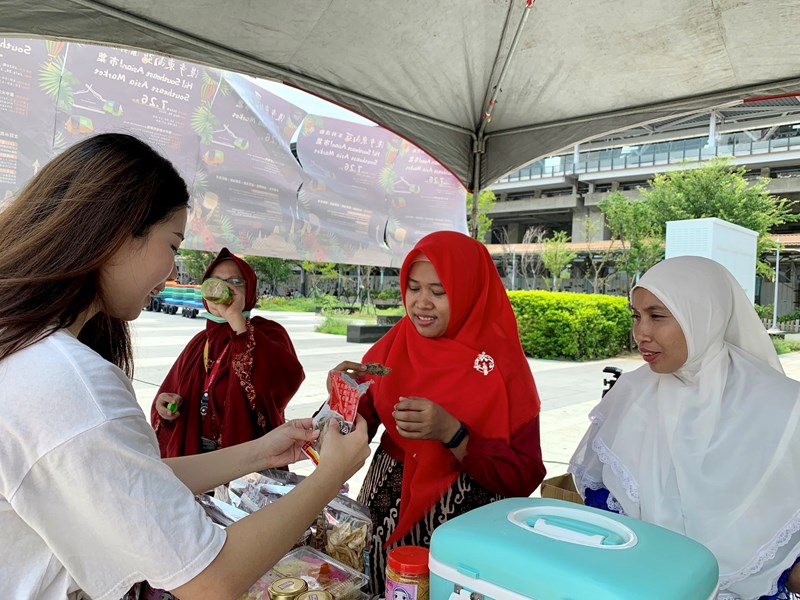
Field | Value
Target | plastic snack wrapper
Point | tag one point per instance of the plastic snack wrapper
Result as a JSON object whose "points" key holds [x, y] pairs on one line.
{"points": [[343, 530], [342, 405]]}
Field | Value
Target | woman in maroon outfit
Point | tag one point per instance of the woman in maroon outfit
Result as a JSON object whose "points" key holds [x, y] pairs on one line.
{"points": [[233, 380]]}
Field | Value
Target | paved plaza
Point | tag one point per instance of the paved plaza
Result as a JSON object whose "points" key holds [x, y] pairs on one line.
{"points": [[568, 390]]}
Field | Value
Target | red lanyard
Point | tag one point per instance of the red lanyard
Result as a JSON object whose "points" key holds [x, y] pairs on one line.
{"points": [[210, 377]]}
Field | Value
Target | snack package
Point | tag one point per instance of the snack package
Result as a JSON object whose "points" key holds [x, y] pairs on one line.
{"points": [[343, 530], [221, 513], [342, 405]]}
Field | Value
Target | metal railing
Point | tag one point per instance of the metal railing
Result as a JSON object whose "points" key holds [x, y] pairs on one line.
{"points": [[677, 153]]}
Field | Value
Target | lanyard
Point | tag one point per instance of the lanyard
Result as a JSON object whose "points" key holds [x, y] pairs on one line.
{"points": [[211, 375]]}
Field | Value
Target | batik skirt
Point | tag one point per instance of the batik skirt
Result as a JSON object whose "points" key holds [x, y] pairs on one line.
{"points": [[381, 491]]}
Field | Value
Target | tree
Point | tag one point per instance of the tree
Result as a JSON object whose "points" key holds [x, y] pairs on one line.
{"points": [[271, 271], [595, 261], [634, 224], [529, 263], [519, 259], [556, 257], [719, 189], [324, 277], [195, 262], [483, 224]]}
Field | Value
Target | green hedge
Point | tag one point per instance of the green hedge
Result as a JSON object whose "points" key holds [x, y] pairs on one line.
{"points": [[563, 325]]}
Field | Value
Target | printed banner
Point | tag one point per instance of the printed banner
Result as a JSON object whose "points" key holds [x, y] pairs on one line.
{"points": [[30, 75], [266, 178]]}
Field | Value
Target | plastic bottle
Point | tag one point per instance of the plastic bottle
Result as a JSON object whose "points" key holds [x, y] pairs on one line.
{"points": [[407, 575]]}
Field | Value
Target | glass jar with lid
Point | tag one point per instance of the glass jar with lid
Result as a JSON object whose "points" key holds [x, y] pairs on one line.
{"points": [[407, 576], [287, 588]]}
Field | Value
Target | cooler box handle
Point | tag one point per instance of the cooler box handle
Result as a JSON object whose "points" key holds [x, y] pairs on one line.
{"points": [[575, 526], [572, 530]]}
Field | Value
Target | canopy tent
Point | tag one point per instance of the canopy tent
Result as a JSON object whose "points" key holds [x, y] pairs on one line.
{"points": [[568, 70]]}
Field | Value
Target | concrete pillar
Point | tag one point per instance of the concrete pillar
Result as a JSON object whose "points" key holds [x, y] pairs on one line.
{"points": [[614, 186], [765, 172], [712, 129], [514, 235], [597, 221]]}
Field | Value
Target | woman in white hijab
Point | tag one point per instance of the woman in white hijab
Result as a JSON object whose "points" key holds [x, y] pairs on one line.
{"points": [[705, 438]]}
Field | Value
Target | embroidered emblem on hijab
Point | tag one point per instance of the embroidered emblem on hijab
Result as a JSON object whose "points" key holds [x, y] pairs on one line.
{"points": [[484, 363]]}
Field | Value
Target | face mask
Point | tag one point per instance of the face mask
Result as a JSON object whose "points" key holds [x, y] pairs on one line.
{"points": [[216, 319]]}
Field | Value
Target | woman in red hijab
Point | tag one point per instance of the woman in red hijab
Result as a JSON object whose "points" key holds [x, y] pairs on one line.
{"points": [[233, 381], [460, 405]]}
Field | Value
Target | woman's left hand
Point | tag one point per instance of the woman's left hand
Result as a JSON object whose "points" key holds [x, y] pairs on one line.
{"points": [[283, 445], [423, 419]]}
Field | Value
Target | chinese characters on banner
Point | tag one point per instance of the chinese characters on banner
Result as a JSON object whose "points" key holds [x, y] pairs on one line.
{"points": [[346, 193], [30, 73]]}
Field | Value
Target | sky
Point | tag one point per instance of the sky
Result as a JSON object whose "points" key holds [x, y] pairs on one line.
{"points": [[309, 102]]}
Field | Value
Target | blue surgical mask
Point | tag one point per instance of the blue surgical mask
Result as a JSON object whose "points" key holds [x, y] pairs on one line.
{"points": [[216, 319]]}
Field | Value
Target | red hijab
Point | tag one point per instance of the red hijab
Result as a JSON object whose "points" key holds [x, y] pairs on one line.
{"points": [[252, 386], [482, 332]]}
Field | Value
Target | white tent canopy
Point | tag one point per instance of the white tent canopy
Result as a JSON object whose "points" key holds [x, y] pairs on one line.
{"points": [[569, 70]]}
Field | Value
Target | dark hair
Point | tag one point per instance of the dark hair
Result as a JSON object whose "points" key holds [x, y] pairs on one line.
{"points": [[65, 224]]}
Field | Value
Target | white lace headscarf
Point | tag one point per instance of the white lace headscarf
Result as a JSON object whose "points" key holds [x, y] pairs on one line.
{"points": [[711, 451]]}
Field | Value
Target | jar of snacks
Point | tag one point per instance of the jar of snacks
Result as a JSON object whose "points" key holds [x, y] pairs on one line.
{"points": [[287, 588], [315, 595], [407, 574]]}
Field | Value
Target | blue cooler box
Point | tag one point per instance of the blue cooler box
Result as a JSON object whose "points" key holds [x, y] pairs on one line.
{"points": [[553, 550]]}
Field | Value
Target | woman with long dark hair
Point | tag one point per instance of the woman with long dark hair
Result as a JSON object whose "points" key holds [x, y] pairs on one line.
{"points": [[86, 503]]}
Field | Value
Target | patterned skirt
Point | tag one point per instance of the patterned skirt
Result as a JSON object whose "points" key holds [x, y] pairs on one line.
{"points": [[381, 492]]}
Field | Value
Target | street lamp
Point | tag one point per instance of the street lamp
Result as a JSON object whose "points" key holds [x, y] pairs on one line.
{"points": [[774, 329]]}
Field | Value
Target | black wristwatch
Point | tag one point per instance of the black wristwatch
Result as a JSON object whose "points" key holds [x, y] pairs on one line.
{"points": [[456, 440]]}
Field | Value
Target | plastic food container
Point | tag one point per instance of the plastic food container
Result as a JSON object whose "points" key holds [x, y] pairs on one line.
{"points": [[321, 572]]}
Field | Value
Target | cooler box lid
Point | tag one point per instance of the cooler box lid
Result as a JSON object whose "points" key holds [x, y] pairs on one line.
{"points": [[546, 548]]}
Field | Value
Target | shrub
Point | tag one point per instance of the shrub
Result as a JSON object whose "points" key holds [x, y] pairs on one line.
{"points": [[785, 346], [389, 294], [792, 316], [562, 325], [764, 312], [280, 303], [334, 324]]}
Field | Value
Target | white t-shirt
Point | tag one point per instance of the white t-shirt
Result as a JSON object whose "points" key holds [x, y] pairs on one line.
{"points": [[85, 501]]}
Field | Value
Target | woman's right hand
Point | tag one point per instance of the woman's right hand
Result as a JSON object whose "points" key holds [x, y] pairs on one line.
{"points": [[345, 453], [162, 406]]}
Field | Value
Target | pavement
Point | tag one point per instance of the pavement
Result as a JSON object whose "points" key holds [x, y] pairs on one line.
{"points": [[568, 390]]}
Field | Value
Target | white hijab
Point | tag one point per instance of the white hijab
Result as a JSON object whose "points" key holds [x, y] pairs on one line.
{"points": [[711, 451]]}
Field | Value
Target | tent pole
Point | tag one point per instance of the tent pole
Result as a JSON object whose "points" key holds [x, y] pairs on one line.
{"points": [[479, 143], [477, 151]]}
